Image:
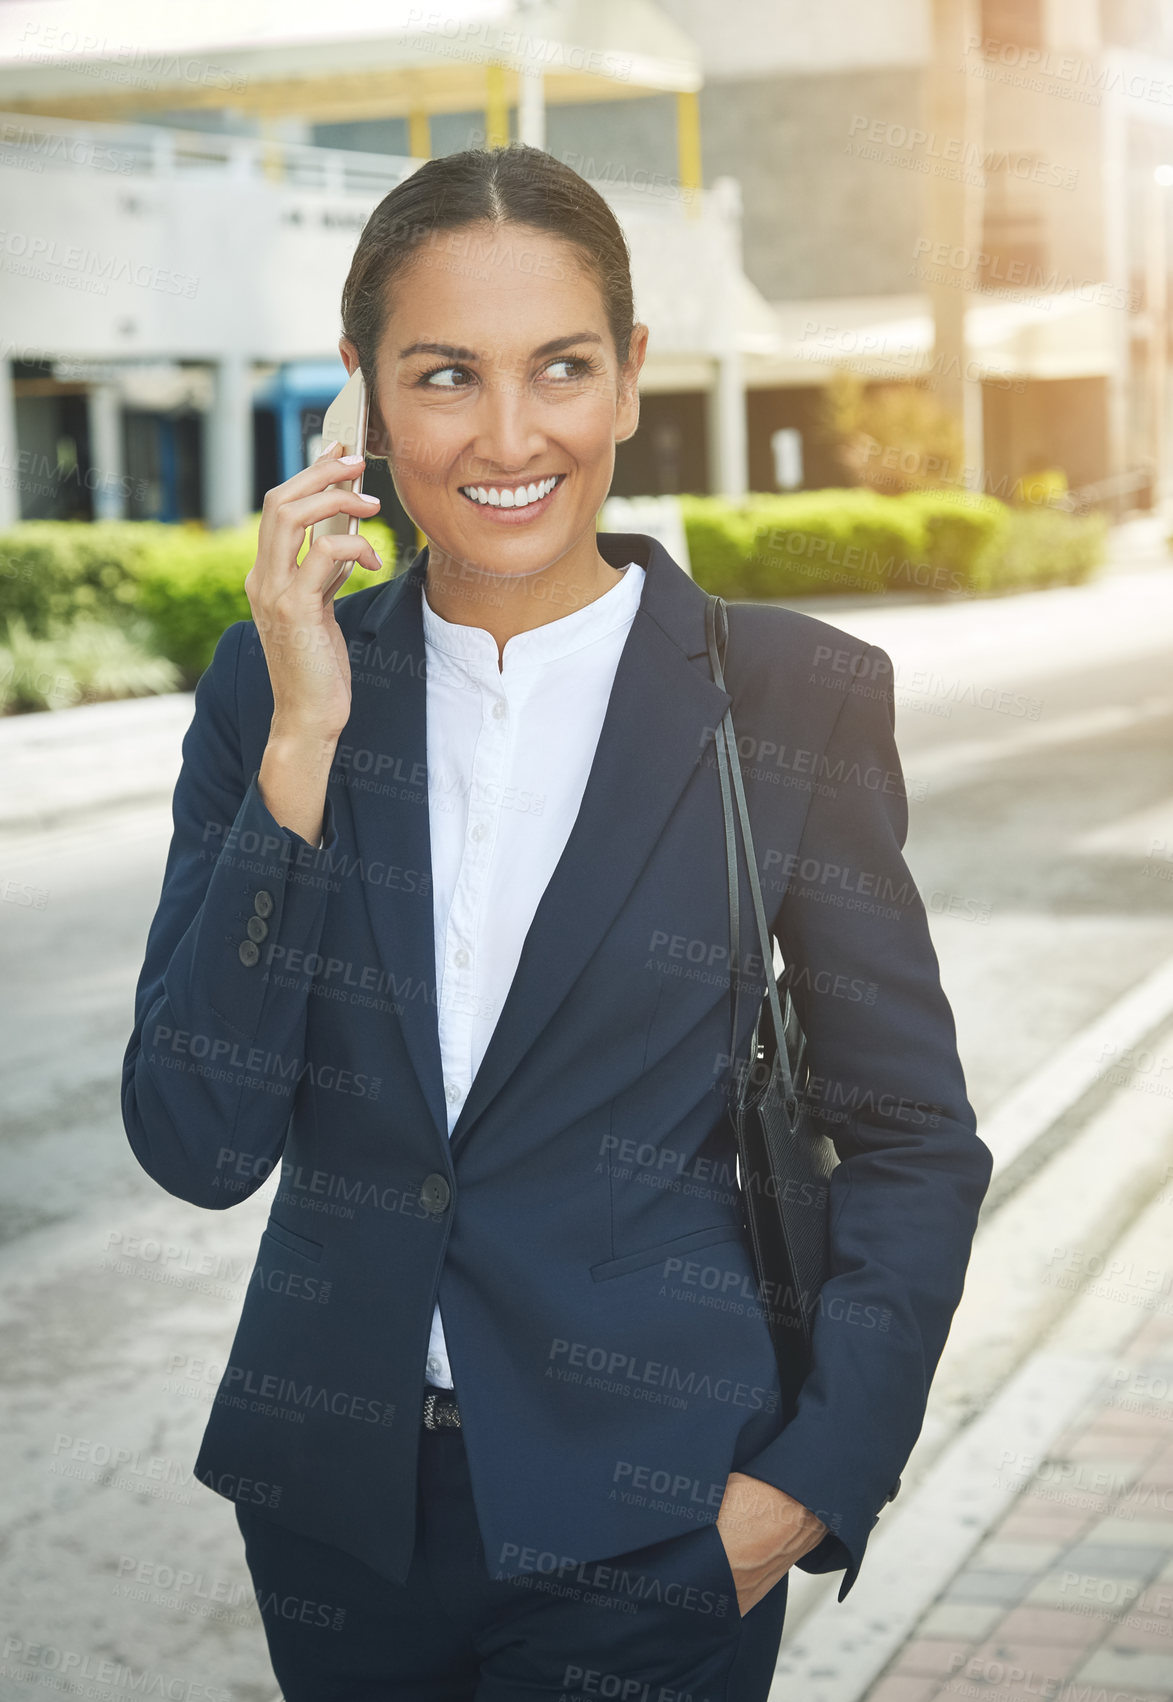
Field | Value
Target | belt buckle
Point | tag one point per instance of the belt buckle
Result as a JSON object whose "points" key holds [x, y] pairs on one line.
{"points": [[441, 1411]]}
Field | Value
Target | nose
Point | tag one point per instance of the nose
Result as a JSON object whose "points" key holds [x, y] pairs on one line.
{"points": [[509, 436]]}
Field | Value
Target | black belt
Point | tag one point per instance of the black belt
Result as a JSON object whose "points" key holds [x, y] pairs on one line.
{"points": [[440, 1409]]}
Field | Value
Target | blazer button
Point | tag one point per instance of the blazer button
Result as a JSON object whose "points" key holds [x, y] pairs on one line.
{"points": [[435, 1192], [263, 903], [248, 953], [257, 929]]}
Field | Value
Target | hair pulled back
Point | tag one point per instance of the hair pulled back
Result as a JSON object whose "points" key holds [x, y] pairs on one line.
{"points": [[514, 185]]}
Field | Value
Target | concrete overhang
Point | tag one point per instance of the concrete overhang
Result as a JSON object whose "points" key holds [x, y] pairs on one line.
{"points": [[106, 59], [1010, 334]]}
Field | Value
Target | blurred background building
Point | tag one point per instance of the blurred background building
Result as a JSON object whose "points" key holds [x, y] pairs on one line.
{"points": [[997, 238]]}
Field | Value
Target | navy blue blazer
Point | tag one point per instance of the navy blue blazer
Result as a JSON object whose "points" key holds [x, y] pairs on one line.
{"points": [[582, 1226]]}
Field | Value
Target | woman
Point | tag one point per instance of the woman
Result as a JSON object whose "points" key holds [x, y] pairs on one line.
{"points": [[443, 938]]}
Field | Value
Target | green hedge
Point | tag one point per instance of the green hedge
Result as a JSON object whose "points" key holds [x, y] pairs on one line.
{"points": [[176, 588], [185, 583], [858, 541]]}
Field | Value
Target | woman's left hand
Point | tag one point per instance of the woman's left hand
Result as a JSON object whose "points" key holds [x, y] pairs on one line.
{"points": [[764, 1531]]}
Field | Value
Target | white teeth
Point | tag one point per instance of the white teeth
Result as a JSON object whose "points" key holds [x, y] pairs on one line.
{"points": [[506, 497]]}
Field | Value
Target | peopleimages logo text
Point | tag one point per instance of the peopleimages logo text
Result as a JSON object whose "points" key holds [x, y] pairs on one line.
{"points": [[108, 268]]}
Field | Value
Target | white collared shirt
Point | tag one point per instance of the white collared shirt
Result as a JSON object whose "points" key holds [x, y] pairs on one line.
{"points": [[509, 752]]}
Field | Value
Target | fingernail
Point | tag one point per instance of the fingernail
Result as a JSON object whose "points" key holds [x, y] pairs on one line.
{"points": [[363, 497], [350, 460], [329, 447]]}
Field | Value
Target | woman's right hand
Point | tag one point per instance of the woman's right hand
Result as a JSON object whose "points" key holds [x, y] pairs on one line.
{"points": [[293, 605]]}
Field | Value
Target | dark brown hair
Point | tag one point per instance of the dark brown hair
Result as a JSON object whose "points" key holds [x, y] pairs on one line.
{"points": [[517, 184]]}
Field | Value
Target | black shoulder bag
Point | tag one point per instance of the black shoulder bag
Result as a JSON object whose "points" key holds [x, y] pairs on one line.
{"points": [[784, 1159]]}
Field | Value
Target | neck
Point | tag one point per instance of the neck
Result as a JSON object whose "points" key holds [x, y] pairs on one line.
{"points": [[505, 604]]}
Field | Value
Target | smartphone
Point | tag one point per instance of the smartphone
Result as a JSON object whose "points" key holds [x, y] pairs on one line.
{"points": [[346, 423]]}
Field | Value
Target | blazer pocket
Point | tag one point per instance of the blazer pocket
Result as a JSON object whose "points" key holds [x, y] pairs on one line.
{"points": [[295, 1243], [666, 1250]]}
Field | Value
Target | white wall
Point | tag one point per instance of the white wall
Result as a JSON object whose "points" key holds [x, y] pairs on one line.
{"points": [[206, 264], [1073, 24], [116, 266]]}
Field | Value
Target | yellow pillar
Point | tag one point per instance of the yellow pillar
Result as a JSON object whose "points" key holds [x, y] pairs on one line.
{"points": [[272, 155], [496, 108], [688, 148], [419, 134]]}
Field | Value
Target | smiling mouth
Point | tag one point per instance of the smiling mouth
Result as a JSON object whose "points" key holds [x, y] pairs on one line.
{"points": [[512, 496]]}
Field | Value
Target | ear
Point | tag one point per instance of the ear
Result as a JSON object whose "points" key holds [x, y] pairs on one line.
{"points": [[627, 409], [349, 355]]}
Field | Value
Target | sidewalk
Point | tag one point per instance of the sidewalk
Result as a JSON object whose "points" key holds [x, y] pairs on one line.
{"points": [[1070, 1595], [1031, 1552], [58, 764]]}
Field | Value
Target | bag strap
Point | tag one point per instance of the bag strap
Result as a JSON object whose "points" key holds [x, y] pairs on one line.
{"points": [[717, 632]]}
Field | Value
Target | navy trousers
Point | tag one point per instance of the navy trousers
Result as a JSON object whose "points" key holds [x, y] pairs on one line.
{"points": [[658, 1624]]}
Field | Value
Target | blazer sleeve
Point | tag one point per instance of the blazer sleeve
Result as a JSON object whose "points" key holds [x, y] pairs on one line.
{"points": [[887, 1084], [212, 1065]]}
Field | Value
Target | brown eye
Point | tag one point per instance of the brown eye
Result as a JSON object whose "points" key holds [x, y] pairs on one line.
{"points": [[582, 366], [436, 371]]}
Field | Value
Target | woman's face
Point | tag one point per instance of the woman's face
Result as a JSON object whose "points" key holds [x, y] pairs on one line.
{"points": [[496, 371]]}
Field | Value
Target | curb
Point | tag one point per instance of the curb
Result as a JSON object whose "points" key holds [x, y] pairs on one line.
{"points": [[967, 1490]]}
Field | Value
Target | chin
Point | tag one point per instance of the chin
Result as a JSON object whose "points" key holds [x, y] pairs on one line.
{"points": [[513, 554]]}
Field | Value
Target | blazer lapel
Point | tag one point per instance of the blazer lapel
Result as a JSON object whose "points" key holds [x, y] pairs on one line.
{"points": [[384, 749], [659, 721]]}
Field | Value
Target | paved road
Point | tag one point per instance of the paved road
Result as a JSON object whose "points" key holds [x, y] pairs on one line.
{"points": [[1035, 733]]}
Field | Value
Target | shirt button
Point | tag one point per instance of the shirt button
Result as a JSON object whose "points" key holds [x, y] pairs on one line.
{"points": [[460, 958], [479, 831], [500, 708], [452, 1092]]}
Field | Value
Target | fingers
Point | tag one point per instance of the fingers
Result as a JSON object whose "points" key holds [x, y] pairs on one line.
{"points": [[290, 509], [326, 470], [318, 574], [299, 516]]}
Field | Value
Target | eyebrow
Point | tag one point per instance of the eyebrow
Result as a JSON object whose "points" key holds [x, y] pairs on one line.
{"points": [[451, 351]]}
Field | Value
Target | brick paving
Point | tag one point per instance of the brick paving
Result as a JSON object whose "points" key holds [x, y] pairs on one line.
{"points": [[1070, 1596]]}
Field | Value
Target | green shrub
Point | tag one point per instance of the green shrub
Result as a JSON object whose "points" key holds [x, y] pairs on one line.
{"points": [[62, 570], [86, 661], [966, 535], [188, 583], [195, 589], [836, 541], [1048, 546], [815, 541], [720, 538], [858, 541]]}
